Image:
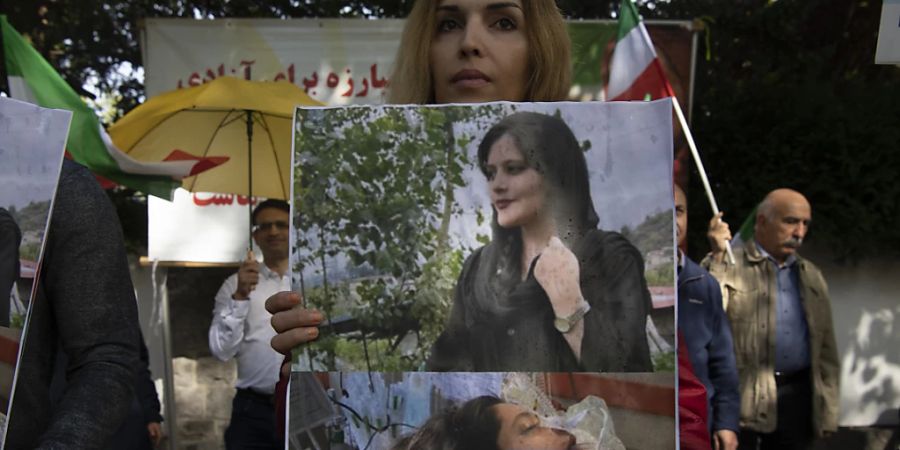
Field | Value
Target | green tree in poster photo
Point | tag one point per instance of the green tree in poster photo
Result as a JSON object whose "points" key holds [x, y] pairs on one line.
{"points": [[377, 188]]}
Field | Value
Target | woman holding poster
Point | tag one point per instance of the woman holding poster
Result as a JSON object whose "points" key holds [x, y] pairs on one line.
{"points": [[460, 51], [551, 292]]}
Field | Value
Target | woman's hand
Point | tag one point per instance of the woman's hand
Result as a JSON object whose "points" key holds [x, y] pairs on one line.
{"points": [[557, 271], [294, 324]]}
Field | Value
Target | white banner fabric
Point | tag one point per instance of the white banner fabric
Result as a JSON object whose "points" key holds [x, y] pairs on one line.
{"points": [[336, 61]]}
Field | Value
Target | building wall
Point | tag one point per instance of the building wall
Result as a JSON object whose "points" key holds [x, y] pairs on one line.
{"points": [[201, 385]]}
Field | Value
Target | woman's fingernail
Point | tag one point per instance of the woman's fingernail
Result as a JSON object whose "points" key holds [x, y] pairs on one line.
{"points": [[312, 333]]}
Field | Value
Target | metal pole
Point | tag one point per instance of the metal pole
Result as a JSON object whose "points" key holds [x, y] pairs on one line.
{"points": [[250, 174], [162, 296]]}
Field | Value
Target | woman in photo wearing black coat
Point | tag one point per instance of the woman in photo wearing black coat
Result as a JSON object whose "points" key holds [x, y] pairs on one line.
{"points": [[551, 292]]}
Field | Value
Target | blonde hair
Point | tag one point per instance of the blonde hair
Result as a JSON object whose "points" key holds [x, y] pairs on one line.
{"points": [[548, 50]]}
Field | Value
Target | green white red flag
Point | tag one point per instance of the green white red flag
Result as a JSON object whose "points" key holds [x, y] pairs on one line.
{"points": [[33, 79], [635, 72]]}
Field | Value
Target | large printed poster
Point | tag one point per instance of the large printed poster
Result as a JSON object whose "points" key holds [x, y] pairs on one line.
{"points": [[452, 238], [492, 263]]}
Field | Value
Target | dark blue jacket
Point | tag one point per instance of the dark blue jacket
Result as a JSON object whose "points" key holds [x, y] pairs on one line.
{"points": [[707, 336]]}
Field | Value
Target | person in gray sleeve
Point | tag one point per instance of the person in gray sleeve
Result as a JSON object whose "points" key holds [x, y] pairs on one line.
{"points": [[85, 309]]}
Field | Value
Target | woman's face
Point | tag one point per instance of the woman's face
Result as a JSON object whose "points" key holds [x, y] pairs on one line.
{"points": [[480, 51], [521, 429], [517, 189]]}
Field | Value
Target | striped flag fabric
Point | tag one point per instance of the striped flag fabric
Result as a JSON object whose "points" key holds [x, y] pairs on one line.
{"points": [[33, 79], [635, 72]]}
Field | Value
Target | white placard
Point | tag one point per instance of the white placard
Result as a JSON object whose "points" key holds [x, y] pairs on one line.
{"points": [[199, 227], [888, 50]]}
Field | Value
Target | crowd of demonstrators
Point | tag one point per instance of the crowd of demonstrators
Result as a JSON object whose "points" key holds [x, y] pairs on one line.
{"points": [[241, 328], [780, 314], [443, 39], [84, 322]]}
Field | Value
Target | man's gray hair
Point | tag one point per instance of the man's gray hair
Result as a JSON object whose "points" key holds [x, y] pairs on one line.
{"points": [[766, 208]]}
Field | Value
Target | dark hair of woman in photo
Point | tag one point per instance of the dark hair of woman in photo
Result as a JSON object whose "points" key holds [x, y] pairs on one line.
{"points": [[485, 423], [551, 292]]}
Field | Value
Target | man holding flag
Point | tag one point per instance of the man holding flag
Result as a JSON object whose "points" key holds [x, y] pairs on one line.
{"points": [[780, 314]]}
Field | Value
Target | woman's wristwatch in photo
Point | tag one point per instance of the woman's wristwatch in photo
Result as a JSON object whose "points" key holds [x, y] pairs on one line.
{"points": [[567, 324]]}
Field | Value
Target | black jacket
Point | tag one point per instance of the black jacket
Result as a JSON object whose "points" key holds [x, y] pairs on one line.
{"points": [[515, 332], [84, 307]]}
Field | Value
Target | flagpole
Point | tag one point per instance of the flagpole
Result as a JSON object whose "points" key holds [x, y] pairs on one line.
{"points": [[250, 173], [645, 36], [687, 134], [700, 168]]}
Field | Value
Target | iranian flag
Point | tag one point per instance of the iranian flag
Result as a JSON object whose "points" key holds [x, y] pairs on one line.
{"points": [[32, 79], [635, 72]]}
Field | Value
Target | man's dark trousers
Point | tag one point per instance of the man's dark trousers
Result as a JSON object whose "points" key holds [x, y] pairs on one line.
{"points": [[252, 422], [794, 430]]}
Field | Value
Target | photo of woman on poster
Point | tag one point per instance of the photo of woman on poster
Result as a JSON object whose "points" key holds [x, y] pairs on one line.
{"points": [[551, 291]]}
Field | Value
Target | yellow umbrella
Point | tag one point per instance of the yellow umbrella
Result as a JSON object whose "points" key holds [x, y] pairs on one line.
{"points": [[212, 120], [249, 122]]}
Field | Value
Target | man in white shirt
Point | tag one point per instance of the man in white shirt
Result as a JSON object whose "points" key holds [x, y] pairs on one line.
{"points": [[241, 328]]}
